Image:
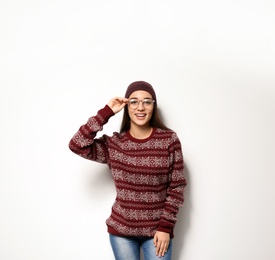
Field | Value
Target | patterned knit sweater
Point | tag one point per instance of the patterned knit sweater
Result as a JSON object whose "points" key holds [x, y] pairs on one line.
{"points": [[148, 175]]}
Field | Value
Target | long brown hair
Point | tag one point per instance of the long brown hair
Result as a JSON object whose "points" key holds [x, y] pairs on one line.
{"points": [[155, 120]]}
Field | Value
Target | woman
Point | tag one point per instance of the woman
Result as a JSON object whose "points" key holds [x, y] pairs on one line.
{"points": [[146, 162]]}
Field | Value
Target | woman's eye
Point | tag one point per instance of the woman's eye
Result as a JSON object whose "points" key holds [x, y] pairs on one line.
{"points": [[133, 102]]}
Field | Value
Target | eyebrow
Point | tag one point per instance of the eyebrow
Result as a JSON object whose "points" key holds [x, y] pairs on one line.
{"points": [[143, 98]]}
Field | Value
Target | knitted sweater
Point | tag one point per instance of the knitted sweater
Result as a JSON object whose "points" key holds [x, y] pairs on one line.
{"points": [[148, 175]]}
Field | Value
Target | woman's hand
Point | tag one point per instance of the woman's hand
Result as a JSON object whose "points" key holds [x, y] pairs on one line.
{"points": [[117, 103], [161, 242]]}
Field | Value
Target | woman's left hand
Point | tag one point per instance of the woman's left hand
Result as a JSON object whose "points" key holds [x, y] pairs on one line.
{"points": [[161, 242]]}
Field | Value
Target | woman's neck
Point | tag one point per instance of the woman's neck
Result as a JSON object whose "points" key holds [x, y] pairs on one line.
{"points": [[141, 132]]}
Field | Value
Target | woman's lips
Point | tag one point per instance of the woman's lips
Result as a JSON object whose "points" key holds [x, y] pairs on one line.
{"points": [[140, 115]]}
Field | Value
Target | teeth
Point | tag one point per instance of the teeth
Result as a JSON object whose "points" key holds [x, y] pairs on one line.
{"points": [[140, 114]]}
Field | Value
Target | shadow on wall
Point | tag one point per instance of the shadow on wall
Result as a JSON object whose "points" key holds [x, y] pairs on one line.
{"points": [[183, 222], [100, 181]]}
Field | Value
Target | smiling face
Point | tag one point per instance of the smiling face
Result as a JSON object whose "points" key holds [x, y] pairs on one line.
{"points": [[141, 115]]}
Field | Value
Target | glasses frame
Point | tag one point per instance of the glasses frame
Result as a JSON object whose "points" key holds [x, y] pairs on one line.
{"points": [[142, 101]]}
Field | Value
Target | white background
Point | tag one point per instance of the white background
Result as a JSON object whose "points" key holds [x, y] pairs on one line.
{"points": [[212, 64]]}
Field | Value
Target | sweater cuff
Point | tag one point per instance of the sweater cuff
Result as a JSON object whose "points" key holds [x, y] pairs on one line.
{"points": [[105, 113], [165, 229]]}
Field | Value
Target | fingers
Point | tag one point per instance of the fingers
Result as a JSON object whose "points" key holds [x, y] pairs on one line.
{"points": [[117, 103], [161, 242], [162, 248], [155, 240], [120, 99]]}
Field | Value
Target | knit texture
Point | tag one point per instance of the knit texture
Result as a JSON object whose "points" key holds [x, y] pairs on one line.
{"points": [[148, 175]]}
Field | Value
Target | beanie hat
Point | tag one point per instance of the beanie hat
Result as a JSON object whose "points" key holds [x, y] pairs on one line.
{"points": [[140, 85]]}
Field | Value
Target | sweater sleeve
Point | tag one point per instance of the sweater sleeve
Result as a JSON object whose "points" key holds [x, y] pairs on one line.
{"points": [[84, 142], [175, 190]]}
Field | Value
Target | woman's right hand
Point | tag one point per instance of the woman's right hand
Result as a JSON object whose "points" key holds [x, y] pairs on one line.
{"points": [[117, 103]]}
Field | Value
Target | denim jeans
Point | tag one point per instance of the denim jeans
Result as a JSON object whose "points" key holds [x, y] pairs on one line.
{"points": [[128, 248]]}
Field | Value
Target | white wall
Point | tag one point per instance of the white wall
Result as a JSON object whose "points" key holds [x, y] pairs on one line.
{"points": [[212, 64]]}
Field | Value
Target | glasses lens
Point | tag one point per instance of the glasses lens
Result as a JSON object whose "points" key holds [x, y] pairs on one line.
{"points": [[147, 102], [133, 103]]}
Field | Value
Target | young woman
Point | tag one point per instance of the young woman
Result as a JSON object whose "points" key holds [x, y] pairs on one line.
{"points": [[146, 163]]}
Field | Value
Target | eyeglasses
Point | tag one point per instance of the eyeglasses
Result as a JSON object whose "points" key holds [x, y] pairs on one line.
{"points": [[147, 103]]}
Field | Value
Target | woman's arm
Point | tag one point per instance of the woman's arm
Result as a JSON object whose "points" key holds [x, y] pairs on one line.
{"points": [[84, 142], [175, 190]]}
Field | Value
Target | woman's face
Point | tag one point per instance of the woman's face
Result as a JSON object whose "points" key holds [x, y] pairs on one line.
{"points": [[140, 108]]}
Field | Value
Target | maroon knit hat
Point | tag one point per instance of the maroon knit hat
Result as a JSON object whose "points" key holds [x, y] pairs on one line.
{"points": [[140, 85]]}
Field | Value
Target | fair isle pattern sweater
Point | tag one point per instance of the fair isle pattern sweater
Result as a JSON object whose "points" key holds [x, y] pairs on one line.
{"points": [[148, 175]]}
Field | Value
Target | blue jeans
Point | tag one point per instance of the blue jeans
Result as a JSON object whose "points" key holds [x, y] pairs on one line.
{"points": [[128, 248]]}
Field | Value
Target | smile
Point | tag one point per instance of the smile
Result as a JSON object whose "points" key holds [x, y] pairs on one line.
{"points": [[140, 115]]}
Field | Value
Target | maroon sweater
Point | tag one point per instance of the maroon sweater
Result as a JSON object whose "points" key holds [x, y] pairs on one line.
{"points": [[148, 175]]}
